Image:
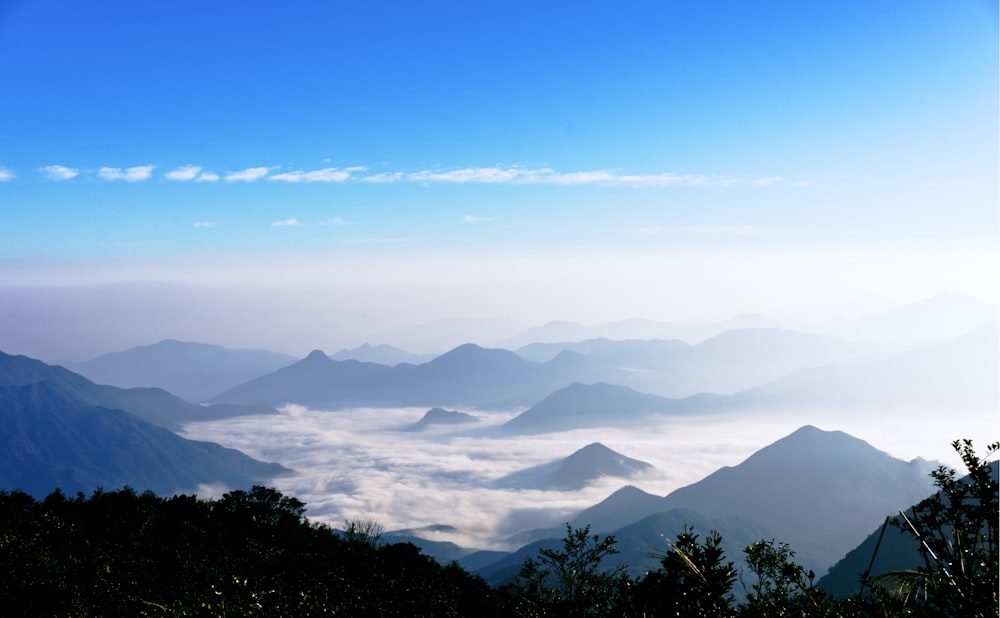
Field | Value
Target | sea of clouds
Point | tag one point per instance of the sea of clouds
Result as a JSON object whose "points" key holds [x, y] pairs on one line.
{"points": [[363, 463]]}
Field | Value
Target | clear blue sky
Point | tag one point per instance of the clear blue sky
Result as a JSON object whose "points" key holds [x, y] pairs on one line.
{"points": [[162, 139]]}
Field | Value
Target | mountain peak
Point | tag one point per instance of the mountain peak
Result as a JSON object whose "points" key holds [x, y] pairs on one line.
{"points": [[316, 355]]}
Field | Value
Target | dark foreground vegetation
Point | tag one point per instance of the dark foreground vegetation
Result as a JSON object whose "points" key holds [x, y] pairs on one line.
{"points": [[253, 553]]}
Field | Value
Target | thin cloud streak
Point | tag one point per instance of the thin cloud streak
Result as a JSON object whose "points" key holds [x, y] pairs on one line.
{"points": [[286, 223], [494, 175]]}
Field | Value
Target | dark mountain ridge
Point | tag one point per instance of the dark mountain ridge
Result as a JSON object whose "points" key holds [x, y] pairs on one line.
{"points": [[52, 438], [152, 404]]}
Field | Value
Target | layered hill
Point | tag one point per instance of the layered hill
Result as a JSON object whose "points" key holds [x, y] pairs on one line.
{"points": [[382, 354], [604, 405], [468, 375], [51, 436], [726, 363], [151, 404], [440, 416], [192, 371], [819, 490], [583, 467]]}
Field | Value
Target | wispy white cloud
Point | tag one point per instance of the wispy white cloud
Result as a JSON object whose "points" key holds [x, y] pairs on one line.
{"points": [[128, 174], [383, 178], [248, 175], [187, 173], [491, 175], [286, 223], [6, 174], [59, 172], [548, 176], [330, 174], [205, 224]]}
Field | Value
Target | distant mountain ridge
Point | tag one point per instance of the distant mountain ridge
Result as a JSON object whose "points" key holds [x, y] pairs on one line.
{"points": [[945, 315], [382, 354], [468, 375], [189, 370], [599, 405], [152, 404], [59, 432]]}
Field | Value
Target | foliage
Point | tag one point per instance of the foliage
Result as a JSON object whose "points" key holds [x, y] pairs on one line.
{"points": [[957, 532], [364, 530], [251, 553], [573, 581], [694, 580]]}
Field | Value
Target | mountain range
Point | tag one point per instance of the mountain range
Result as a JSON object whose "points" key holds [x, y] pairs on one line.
{"points": [[192, 371], [943, 316], [58, 429], [154, 405], [820, 491], [468, 375]]}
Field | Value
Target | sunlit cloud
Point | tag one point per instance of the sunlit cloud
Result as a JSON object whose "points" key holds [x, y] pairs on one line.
{"points": [[286, 223], [59, 172], [191, 172], [330, 174], [6, 174], [248, 175], [128, 174], [205, 224]]}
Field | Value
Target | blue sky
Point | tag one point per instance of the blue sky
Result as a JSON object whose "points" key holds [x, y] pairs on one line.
{"points": [[844, 148]]}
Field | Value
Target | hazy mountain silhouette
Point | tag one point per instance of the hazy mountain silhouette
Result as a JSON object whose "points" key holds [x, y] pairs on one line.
{"points": [[440, 416], [382, 354], [468, 375], [603, 405], [945, 315], [52, 438], [732, 361], [583, 467], [963, 373], [192, 371], [152, 404]]}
